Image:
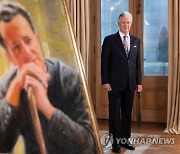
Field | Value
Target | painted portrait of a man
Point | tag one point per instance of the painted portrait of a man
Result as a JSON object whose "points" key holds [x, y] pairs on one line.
{"points": [[57, 89]]}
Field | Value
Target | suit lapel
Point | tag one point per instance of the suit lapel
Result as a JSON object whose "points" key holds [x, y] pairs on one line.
{"points": [[132, 39], [120, 44]]}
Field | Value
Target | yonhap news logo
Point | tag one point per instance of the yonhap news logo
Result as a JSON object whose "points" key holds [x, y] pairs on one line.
{"points": [[153, 140], [106, 140]]}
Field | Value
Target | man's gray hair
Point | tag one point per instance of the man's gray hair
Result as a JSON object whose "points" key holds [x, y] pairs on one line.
{"points": [[125, 14]]}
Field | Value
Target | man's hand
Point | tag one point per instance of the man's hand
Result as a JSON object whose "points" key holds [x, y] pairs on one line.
{"points": [[139, 88], [32, 76], [17, 84], [35, 71], [107, 87], [40, 93]]}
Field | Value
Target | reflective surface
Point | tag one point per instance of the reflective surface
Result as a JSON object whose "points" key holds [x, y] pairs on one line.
{"points": [[155, 38]]}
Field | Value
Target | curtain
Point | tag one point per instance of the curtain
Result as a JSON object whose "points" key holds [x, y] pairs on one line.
{"points": [[173, 106], [79, 14]]}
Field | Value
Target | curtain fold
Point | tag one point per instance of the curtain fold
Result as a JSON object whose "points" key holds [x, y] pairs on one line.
{"points": [[79, 14], [173, 106]]}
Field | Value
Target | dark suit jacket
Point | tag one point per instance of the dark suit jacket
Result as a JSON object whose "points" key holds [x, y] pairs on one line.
{"points": [[68, 132], [118, 69]]}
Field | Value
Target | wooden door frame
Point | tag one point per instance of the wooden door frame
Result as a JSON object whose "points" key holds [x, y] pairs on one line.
{"points": [[94, 46], [136, 8]]}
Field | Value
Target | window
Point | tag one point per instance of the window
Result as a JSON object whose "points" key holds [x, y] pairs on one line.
{"points": [[155, 38], [155, 31], [110, 10]]}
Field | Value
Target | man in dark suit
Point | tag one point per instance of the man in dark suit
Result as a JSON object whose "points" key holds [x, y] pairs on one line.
{"points": [[121, 75]]}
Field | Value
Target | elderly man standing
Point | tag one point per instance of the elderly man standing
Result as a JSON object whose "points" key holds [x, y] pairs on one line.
{"points": [[121, 75]]}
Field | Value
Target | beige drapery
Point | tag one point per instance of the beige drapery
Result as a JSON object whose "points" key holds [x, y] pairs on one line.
{"points": [[173, 107], [79, 14]]}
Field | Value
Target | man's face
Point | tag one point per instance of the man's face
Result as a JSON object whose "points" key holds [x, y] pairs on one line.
{"points": [[22, 43], [124, 23]]}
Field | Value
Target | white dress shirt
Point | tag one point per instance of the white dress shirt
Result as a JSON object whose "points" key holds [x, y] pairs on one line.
{"points": [[128, 39]]}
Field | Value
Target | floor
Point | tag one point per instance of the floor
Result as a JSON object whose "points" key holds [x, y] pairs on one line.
{"points": [[148, 138]]}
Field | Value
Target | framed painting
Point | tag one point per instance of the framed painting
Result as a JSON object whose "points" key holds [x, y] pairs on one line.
{"points": [[45, 105]]}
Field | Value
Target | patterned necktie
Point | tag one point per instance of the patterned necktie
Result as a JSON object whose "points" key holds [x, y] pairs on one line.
{"points": [[125, 43]]}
